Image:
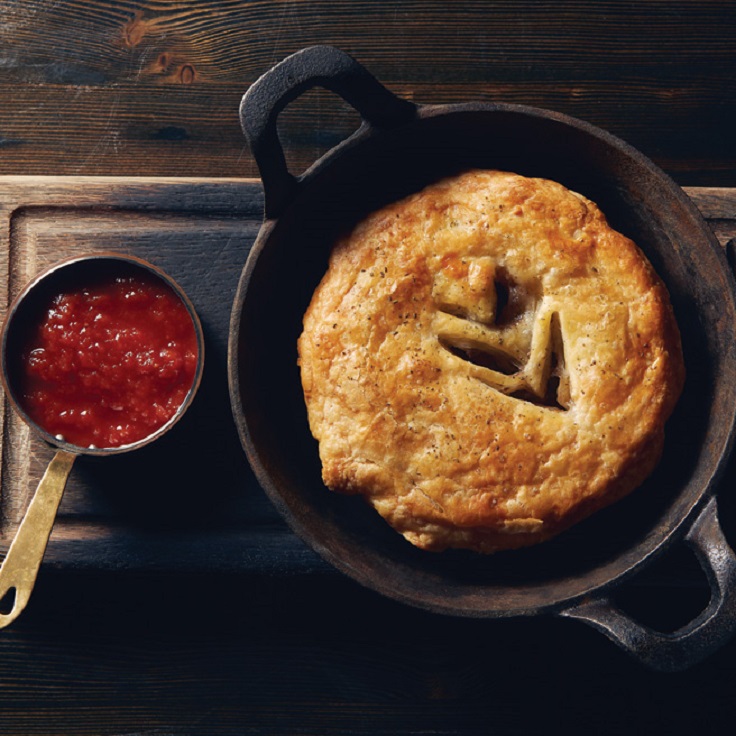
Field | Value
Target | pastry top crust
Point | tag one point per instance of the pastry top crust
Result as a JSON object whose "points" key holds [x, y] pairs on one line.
{"points": [[488, 362]]}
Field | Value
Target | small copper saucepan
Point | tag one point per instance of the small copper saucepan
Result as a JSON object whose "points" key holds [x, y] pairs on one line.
{"points": [[398, 149], [20, 567]]}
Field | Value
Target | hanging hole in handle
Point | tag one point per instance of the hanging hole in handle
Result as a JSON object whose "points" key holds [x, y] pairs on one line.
{"points": [[316, 66], [727, 501], [731, 254], [692, 643], [313, 124], [7, 602], [668, 594]]}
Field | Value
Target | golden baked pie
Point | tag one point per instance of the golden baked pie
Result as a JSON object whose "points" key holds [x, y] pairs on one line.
{"points": [[488, 362]]}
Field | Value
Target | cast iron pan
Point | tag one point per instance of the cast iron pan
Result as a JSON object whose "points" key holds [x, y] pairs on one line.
{"points": [[399, 148]]}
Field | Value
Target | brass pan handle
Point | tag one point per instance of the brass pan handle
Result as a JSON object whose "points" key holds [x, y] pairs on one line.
{"points": [[694, 641], [20, 567]]}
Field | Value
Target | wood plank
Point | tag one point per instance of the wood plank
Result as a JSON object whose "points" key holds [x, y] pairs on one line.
{"points": [[312, 656], [714, 203], [190, 498], [116, 40], [120, 130], [151, 88], [718, 206]]}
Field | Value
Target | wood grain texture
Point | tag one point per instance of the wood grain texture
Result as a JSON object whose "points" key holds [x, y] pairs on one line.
{"points": [[189, 501], [152, 88], [226, 655], [716, 204]]}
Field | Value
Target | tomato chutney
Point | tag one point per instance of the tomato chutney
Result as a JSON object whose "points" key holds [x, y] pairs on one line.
{"points": [[107, 362]]}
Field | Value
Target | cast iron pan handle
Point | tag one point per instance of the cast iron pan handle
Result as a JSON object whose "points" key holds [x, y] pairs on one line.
{"points": [[316, 66], [702, 636]]}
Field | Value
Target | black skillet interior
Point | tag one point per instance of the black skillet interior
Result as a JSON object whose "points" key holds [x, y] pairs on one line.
{"points": [[290, 258]]}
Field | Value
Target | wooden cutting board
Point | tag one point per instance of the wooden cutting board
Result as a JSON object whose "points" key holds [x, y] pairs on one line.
{"points": [[188, 501]]}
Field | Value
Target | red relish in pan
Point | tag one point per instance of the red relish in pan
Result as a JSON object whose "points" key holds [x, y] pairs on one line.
{"points": [[110, 362]]}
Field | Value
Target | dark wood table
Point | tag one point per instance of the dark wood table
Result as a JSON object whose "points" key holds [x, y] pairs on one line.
{"points": [[216, 619]]}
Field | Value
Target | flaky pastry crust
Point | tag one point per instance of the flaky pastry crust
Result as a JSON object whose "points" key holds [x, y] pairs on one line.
{"points": [[488, 362]]}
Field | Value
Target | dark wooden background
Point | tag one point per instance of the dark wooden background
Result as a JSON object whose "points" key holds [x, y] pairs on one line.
{"points": [[152, 89]]}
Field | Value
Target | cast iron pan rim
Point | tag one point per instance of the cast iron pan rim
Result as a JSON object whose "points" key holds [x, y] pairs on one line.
{"points": [[650, 548], [366, 131]]}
